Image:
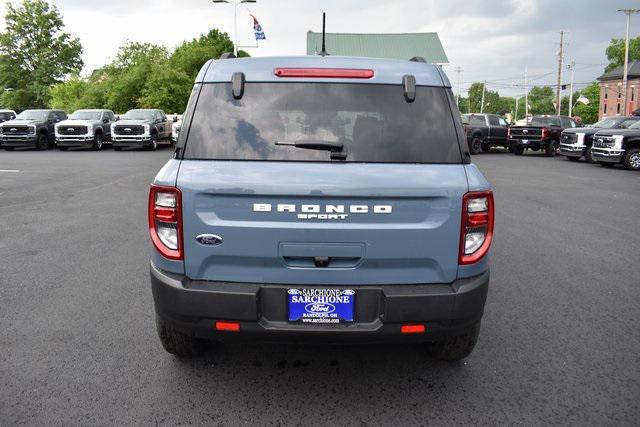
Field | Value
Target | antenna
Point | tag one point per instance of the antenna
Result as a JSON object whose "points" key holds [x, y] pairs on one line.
{"points": [[324, 52]]}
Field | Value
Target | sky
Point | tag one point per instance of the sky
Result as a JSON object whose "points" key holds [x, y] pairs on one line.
{"points": [[492, 40]]}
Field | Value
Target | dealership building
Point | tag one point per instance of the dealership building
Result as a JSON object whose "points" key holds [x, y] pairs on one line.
{"points": [[611, 90]]}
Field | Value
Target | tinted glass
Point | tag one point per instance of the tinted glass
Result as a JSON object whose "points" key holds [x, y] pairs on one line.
{"points": [[475, 120], [545, 121], [624, 124], [636, 125], [493, 121], [373, 122], [6, 116]]}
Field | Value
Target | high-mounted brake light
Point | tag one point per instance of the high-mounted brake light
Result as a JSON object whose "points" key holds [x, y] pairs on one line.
{"points": [[228, 326], [477, 226], [165, 221], [412, 329], [327, 73]]}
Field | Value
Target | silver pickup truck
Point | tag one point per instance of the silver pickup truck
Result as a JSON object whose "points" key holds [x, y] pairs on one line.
{"points": [[85, 128]]}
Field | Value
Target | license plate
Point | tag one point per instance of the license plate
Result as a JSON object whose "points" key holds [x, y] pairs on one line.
{"points": [[525, 141], [321, 306]]}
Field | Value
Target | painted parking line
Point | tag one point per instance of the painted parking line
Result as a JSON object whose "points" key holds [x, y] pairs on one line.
{"points": [[9, 171]]}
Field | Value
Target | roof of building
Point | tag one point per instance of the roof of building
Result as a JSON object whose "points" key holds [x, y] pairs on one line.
{"points": [[618, 72], [394, 46], [262, 69]]}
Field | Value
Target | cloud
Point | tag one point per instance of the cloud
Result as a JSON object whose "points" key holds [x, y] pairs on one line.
{"points": [[490, 39]]}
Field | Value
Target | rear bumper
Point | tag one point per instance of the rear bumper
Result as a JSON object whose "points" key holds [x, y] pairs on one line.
{"points": [[535, 144], [261, 310], [608, 155]]}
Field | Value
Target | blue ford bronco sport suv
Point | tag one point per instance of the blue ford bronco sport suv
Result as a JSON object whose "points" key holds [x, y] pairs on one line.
{"points": [[321, 198]]}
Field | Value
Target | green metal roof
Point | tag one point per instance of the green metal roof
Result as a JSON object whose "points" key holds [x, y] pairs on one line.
{"points": [[393, 46]]}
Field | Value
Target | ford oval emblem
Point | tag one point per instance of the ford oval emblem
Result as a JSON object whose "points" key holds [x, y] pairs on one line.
{"points": [[209, 239]]}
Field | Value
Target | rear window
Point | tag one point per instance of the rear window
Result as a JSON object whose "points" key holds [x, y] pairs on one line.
{"points": [[545, 121], [373, 122]]}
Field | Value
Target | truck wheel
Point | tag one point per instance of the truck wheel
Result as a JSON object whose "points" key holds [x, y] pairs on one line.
{"points": [[518, 151], [550, 149], [178, 343], [97, 142], [153, 144], [587, 155], [632, 159], [486, 148], [455, 347], [476, 145], [43, 142]]}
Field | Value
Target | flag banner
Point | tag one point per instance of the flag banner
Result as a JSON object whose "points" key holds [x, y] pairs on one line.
{"points": [[257, 28]]}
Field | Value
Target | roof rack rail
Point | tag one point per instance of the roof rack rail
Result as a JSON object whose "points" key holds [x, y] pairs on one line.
{"points": [[227, 55], [418, 59]]}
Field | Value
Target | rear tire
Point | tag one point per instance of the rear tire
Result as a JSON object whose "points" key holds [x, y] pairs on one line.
{"points": [[518, 151], [178, 343], [632, 160], [476, 145], [455, 347], [486, 148], [550, 149]]}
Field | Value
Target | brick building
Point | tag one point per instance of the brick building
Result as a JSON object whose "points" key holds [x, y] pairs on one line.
{"points": [[611, 89]]}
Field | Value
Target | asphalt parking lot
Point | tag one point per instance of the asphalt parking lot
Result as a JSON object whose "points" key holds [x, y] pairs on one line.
{"points": [[560, 341]]}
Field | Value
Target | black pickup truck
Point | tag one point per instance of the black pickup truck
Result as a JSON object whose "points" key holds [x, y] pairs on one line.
{"points": [[542, 133], [31, 128], [618, 146], [485, 131], [576, 143]]}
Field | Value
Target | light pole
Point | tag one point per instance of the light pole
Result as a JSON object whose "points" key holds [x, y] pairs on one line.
{"points": [[235, 3], [572, 67], [627, 12]]}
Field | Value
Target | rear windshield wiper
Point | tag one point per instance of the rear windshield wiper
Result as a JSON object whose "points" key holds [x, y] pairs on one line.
{"points": [[336, 148]]}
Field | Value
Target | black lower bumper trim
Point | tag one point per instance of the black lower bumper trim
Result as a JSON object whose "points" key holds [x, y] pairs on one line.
{"points": [[261, 309]]}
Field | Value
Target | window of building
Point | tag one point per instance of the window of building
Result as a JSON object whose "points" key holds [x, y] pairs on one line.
{"points": [[605, 108], [618, 109], [633, 93], [606, 93]]}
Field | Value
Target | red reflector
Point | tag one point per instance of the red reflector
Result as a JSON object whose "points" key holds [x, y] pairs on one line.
{"points": [[166, 214], [478, 219], [228, 326], [412, 329], [327, 73]]}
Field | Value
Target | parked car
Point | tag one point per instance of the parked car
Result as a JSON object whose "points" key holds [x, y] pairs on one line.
{"points": [[485, 131], [618, 146], [542, 133], [323, 203], [576, 143], [141, 128], [85, 128], [175, 129], [31, 128], [6, 115]]}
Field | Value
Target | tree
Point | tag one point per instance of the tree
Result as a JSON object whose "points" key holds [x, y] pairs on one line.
{"points": [[37, 51], [69, 95], [168, 89], [192, 55], [615, 52], [541, 100], [588, 113]]}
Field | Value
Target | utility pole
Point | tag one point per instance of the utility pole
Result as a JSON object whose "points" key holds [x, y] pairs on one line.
{"points": [[526, 96], [572, 67], [459, 71], [559, 88], [625, 81], [235, 4], [484, 89]]}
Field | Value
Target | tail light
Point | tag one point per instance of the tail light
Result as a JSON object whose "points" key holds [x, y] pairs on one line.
{"points": [[545, 133], [508, 132], [165, 221], [477, 226]]}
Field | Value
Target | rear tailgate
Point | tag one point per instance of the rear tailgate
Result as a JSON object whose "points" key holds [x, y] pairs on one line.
{"points": [[367, 224]]}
